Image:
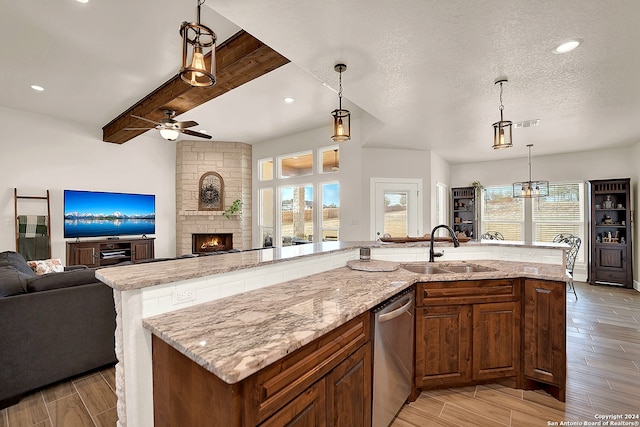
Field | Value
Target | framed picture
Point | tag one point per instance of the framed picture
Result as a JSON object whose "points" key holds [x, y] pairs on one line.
{"points": [[211, 192]]}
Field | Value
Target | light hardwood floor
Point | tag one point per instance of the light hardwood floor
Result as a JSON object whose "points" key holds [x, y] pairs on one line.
{"points": [[86, 401], [603, 371], [603, 374]]}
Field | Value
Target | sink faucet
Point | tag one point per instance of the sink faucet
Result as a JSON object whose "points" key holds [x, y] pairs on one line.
{"points": [[456, 243]]}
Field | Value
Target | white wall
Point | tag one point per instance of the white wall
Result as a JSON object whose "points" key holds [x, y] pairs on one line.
{"points": [[357, 166], [40, 153]]}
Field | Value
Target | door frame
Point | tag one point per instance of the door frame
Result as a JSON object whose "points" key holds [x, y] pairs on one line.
{"points": [[374, 182]]}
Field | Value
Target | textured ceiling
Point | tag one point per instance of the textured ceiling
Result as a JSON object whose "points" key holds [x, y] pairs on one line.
{"points": [[424, 70]]}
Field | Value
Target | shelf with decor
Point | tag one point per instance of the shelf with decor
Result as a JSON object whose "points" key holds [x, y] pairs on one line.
{"points": [[610, 257], [464, 218]]}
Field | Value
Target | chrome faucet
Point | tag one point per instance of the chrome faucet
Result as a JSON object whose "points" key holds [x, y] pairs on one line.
{"points": [[456, 243]]}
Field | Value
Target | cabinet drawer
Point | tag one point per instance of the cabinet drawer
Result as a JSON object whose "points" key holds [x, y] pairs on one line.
{"points": [[467, 292], [273, 387]]}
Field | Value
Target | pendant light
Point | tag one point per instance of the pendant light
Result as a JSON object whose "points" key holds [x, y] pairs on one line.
{"points": [[341, 118], [530, 189], [197, 70], [502, 129]]}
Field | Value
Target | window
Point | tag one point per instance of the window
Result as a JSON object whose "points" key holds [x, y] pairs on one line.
{"points": [[561, 212], [266, 216], [330, 159], [266, 169], [395, 213], [503, 213], [296, 214], [330, 211], [299, 164], [299, 200]]}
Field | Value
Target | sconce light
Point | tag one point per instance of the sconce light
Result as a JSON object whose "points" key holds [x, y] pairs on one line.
{"points": [[502, 129], [202, 41], [341, 118], [530, 189]]}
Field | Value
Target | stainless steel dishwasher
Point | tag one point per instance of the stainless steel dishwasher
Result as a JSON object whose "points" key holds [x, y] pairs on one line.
{"points": [[392, 356]]}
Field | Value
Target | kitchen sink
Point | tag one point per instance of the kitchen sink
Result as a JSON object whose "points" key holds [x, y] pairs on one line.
{"points": [[424, 268], [468, 268], [428, 268]]}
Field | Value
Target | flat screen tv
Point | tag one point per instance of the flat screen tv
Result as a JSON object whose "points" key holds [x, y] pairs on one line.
{"points": [[99, 214]]}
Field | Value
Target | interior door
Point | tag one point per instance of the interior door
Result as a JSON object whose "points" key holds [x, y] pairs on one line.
{"points": [[396, 208]]}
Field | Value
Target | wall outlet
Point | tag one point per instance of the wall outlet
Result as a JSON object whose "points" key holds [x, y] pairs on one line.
{"points": [[183, 295]]}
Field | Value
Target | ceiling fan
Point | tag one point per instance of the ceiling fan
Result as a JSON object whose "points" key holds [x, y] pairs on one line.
{"points": [[170, 129]]}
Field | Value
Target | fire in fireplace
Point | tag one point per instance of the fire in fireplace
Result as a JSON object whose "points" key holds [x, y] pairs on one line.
{"points": [[211, 242]]}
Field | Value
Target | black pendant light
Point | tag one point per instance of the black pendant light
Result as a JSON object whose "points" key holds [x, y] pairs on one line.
{"points": [[197, 70], [502, 129], [341, 117]]}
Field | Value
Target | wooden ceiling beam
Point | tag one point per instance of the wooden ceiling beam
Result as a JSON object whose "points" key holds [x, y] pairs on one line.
{"points": [[239, 60]]}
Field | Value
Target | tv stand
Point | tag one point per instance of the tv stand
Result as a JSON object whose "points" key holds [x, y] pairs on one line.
{"points": [[105, 252]]}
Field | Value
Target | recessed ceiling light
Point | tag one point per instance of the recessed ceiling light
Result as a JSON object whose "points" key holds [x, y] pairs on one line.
{"points": [[37, 88], [288, 100], [567, 46], [82, 1]]}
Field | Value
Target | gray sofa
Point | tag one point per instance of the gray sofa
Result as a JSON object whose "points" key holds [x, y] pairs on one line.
{"points": [[52, 326]]}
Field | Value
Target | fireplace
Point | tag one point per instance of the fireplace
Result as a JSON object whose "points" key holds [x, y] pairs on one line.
{"points": [[211, 242]]}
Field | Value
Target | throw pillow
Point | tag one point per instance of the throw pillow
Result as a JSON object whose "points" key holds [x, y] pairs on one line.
{"points": [[46, 266], [12, 282], [67, 279], [17, 261]]}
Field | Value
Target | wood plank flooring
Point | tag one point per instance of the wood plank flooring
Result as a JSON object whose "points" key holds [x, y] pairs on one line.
{"points": [[86, 401], [603, 372]]}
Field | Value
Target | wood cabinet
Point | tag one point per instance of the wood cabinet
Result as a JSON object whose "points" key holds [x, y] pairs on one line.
{"points": [[610, 258], [496, 340], [545, 335], [325, 383], [100, 253], [467, 331], [464, 218], [443, 346]]}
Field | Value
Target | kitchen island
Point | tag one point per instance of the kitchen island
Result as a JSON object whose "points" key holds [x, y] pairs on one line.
{"points": [[297, 295]]}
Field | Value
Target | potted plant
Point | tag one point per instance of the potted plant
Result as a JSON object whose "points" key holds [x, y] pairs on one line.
{"points": [[233, 209]]}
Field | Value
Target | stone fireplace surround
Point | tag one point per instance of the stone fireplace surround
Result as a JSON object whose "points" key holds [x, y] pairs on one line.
{"points": [[232, 160]]}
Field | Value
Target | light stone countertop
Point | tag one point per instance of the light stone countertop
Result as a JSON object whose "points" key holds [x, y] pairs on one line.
{"points": [[237, 336], [138, 276]]}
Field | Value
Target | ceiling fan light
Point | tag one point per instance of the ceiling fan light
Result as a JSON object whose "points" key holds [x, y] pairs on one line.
{"points": [[169, 134]]}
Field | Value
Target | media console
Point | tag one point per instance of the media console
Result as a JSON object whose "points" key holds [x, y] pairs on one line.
{"points": [[104, 252]]}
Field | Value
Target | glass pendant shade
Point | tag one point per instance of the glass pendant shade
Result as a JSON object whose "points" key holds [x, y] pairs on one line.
{"points": [[530, 189], [341, 125], [169, 134], [502, 134], [198, 53]]}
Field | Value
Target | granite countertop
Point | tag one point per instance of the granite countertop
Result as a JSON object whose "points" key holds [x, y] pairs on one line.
{"points": [[147, 274], [237, 336], [138, 276]]}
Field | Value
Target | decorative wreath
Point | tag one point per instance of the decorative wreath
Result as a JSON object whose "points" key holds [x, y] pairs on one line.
{"points": [[209, 194]]}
